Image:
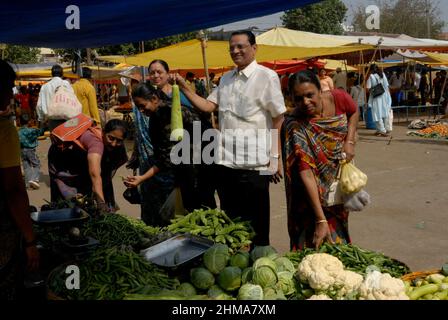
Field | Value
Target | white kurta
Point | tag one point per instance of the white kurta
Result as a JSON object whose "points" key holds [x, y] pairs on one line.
{"points": [[380, 105]]}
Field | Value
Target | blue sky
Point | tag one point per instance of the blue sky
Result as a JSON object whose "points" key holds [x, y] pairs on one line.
{"points": [[270, 21]]}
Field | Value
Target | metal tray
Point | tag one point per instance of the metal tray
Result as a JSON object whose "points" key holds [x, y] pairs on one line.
{"points": [[59, 216], [176, 250]]}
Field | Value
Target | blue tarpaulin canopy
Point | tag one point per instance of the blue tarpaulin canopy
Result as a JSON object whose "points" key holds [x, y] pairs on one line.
{"points": [[107, 22]]}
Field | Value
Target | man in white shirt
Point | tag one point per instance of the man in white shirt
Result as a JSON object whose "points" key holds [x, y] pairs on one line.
{"points": [[46, 95], [248, 98], [340, 79]]}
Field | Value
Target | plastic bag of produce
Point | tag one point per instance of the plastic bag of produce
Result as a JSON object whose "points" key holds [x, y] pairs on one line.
{"points": [[352, 179], [356, 201]]}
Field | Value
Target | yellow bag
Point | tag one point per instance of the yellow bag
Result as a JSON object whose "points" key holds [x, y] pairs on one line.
{"points": [[352, 179]]}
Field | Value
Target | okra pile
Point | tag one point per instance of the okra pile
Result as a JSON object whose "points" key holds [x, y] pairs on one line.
{"points": [[215, 225]]}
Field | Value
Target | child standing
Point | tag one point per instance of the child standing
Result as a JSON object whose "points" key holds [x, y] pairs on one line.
{"points": [[28, 145]]}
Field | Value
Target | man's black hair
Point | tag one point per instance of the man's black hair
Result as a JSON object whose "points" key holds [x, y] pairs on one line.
{"points": [[248, 33]]}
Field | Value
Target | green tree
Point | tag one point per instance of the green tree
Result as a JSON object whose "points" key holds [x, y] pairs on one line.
{"points": [[21, 54], [325, 17], [127, 49], [167, 41], [404, 17]]}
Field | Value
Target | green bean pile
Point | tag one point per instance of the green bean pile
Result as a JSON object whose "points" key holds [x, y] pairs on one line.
{"points": [[355, 259], [110, 274], [115, 229]]}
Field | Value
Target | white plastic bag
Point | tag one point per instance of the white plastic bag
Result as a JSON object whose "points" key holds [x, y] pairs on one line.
{"points": [[356, 201], [64, 105]]}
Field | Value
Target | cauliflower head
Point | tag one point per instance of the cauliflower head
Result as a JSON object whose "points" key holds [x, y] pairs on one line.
{"points": [[382, 286], [320, 270], [348, 283]]}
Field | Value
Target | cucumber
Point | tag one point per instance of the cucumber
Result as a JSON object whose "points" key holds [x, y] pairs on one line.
{"points": [[435, 278], [423, 290], [442, 295]]}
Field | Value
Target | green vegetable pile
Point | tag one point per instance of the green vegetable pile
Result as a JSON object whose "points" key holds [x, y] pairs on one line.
{"points": [[110, 274], [215, 225], [355, 259], [257, 275], [115, 229], [430, 287]]}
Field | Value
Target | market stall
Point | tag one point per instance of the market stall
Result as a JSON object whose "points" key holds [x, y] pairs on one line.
{"points": [[205, 255]]}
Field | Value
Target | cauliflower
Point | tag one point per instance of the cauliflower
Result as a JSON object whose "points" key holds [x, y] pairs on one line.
{"points": [[325, 274], [319, 297], [382, 286], [348, 283], [320, 270]]}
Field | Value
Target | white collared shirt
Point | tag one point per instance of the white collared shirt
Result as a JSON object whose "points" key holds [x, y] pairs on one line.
{"points": [[248, 100]]}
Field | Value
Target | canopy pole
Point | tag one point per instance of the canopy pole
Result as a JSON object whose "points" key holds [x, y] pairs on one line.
{"points": [[370, 64], [203, 38]]}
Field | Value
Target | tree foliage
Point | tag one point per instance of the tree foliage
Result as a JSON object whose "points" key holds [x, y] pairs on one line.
{"points": [[21, 54], [127, 49], [404, 17], [324, 17]]}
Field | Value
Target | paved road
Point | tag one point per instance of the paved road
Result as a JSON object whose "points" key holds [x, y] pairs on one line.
{"points": [[408, 183]]}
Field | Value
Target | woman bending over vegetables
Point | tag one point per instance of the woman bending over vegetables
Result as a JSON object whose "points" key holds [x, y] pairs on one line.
{"points": [[314, 137]]}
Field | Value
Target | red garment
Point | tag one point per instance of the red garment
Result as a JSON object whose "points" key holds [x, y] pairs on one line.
{"points": [[24, 100], [343, 102]]}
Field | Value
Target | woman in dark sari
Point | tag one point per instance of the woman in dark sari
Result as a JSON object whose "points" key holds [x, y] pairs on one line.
{"points": [[315, 137], [161, 177]]}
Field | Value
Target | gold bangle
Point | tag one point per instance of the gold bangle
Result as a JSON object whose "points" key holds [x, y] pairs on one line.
{"points": [[321, 221], [350, 142]]}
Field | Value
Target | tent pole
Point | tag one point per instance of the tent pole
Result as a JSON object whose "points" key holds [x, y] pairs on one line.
{"points": [[203, 38]]}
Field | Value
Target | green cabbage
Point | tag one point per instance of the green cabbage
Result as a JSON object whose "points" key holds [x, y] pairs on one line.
{"points": [[265, 262], [214, 291], [284, 264], [230, 278], [201, 278], [273, 294], [263, 251], [286, 283], [247, 274], [265, 277], [240, 260], [187, 289], [250, 291], [216, 258]]}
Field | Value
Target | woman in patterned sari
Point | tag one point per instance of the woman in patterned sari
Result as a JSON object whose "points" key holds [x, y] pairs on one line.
{"points": [[315, 137]]}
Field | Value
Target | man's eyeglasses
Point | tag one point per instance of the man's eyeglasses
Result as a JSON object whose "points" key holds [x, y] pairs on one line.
{"points": [[239, 47]]}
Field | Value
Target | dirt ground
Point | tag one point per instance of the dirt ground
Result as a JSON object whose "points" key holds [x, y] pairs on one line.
{"points": [[408, 185]]}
